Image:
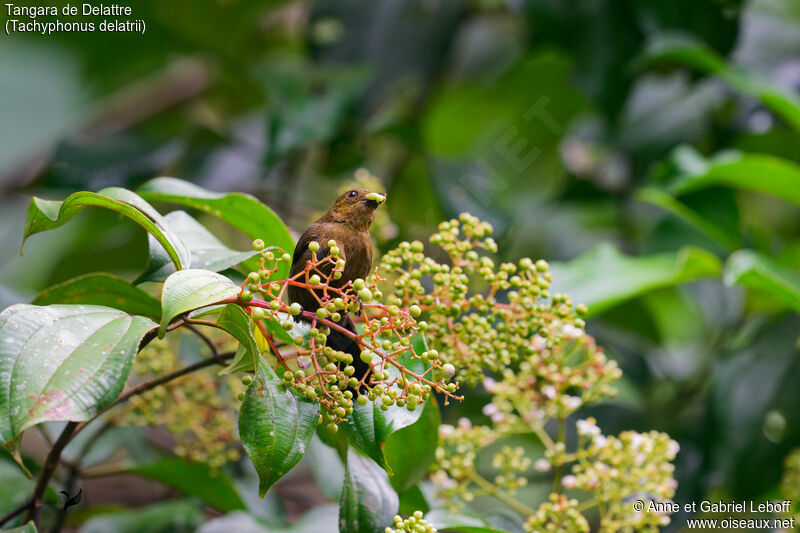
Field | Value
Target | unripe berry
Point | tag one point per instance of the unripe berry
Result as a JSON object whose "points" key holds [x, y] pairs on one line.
{"points": [[314, 280], [313, 246], [365, 294], [366, 356], [415, 311], [258, 245], [247, 379], [295, 308], [448, 370]]}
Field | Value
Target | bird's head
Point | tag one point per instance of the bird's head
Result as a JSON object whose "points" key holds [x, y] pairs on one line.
{"points": [[356, 207]]}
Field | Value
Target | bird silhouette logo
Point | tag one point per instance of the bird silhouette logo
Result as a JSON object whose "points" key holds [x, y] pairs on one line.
{"points": [[71, 500]]}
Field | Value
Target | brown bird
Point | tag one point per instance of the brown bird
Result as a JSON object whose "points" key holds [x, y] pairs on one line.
{"points": [[346, 222]]}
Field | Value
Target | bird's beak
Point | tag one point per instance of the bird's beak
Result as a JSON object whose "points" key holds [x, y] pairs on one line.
{"points": [[375, 199]]}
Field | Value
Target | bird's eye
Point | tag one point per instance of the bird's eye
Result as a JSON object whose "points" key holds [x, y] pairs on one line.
{"points": [[352, 194]]}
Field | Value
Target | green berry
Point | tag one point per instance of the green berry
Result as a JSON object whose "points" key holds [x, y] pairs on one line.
{"points": [[415, 311], [313, 246], [247, 379], [314, 280], [258, 245], [448, 370], [366, 356], [295, 308], [365, 294]]}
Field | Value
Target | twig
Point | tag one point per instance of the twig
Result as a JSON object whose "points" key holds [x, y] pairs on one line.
{"points": [[205, 339], [20, 509], [50, 465]]}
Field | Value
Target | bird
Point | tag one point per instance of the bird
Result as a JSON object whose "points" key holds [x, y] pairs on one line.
{"points": [[347, 222]]}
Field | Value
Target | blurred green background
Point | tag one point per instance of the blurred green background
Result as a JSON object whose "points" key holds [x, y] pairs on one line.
{"points": [[648, 149]]}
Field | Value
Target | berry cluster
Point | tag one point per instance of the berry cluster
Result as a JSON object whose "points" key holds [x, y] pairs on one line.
{"points": [[617, 469], [553, 382], [558, 514], [198, 409], [400, 373], [509, 318], [455, 475], [412, 524]]}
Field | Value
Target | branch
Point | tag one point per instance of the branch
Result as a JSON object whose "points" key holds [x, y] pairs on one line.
{"points": [[50, 465]]}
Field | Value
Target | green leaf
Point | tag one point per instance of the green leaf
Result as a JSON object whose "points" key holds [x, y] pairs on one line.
{"points": [[755, 172], [45, 215], [444, 521], [193, 479], [368, 502], [369, 426], [275, 426], [602, 277], [410, 450], [62, 362], [166, 517], [102, 289], [757, 271], [242, 211], [208, 253], [235, 321], [30, 527], [719, 233], [700, 57], [15, 489], [187, 290]]}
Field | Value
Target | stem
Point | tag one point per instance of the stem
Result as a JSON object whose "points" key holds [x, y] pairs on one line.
{"points": [[50, 465], [490, 489], [557, 474], [588, 504], [22, 507], [203, 337]]}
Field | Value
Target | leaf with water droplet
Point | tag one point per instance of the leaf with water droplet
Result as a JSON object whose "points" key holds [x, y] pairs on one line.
{"points": [[62, 362]]}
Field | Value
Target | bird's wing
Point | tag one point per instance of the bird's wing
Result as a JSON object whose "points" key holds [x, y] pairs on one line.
{"points": [[301, 252]]}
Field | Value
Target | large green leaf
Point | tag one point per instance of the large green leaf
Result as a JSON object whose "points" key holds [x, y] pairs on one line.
{"points": [[187, 290], [700, 57], [755, 172], [275, 426], [410, 451], [603, 277], [368, 503], [722, 234], [462, 523], [194, 479], [235, 321], [30, 527], [757, 271], [242, 211], [45, 215], [208, 253], [164, 517], [62, 362], [369, 426], [102, 289]]}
